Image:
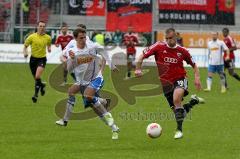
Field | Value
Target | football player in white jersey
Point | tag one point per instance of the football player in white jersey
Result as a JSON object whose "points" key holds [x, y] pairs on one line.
{"points": [[216, 50], [71, 44], [88, 69]]}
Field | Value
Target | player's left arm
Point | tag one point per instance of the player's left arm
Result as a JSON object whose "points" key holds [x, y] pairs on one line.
{"points": [[233, 45], [188, 58]]}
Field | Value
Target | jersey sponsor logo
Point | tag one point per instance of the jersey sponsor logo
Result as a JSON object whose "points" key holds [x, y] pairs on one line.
{"points": [[82, 60], [179, 54], [170, 60], [214, 49]]}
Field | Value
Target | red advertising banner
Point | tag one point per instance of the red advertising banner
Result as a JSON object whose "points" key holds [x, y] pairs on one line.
{"points": [[196, 5], [197, 11], [122, 14], [226, 5], [87, 7]]}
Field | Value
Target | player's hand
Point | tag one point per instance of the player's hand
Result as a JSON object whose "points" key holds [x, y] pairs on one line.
{"points": [[138, 73], [197, 83], [227, 58], [71, 54], [25, 55]]}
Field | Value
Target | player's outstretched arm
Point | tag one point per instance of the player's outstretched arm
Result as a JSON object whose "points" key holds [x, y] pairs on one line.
{"points": [[197, 81]]}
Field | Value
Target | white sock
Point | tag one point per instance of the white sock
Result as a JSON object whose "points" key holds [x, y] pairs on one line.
{"points": [[209, 83], [68, 112]]}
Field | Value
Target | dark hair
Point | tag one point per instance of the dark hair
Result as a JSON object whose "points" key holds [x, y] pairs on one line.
{"points": [[225, 29], [82, 26], [64, 25], [169, 30], [77, 31], [40, 22]]}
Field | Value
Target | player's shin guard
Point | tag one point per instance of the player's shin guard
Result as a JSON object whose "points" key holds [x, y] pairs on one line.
{"points": [[69, 108], [188, 106], [179, 116]]}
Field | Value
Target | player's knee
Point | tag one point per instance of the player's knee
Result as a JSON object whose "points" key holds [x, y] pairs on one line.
{"points": [[70, 92], [88, 98]]}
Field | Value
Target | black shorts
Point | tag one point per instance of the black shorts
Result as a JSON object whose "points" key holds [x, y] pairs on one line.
{"points": [[131, 57], [181, 83], [37, 62], [229, 64]]}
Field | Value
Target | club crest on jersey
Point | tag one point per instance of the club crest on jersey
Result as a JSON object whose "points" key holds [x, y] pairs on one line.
{"points": [[179, 54]]}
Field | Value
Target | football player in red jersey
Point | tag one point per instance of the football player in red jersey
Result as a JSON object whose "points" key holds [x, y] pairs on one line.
{"points": [[130, 40], [62, 40], [229, 63], [169, 58]]}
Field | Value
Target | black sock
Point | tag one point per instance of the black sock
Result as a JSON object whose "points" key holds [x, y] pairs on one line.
{"points": [[73, 76], [65, 72], [226, 85], [38, 85], [236, 76], [129, 74], [179, 116], [188, 106]]}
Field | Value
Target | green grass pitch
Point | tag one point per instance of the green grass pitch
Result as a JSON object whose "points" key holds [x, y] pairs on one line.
{"points": [[28, 130]]}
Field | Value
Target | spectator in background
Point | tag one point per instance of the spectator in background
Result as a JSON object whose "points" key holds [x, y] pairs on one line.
{"points": [[99, 38], [179, 39], [130, 40], [63, 39], [229, 63], [117, 37], [25, 8]]}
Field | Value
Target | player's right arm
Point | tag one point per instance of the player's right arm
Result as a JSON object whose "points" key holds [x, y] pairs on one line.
{"points": [[27, 42], [146, 53]]}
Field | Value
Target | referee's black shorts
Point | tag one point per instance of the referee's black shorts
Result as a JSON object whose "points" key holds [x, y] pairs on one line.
{"points": [[37, 62]]}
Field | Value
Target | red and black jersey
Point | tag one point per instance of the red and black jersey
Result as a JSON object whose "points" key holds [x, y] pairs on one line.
{"points": [[130, 40], [230, 43], [63, 40], [169, 61]]}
